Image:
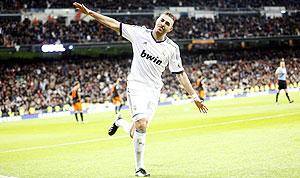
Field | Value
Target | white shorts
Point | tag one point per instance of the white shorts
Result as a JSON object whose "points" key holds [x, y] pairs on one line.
{"points": [[143, 101]]}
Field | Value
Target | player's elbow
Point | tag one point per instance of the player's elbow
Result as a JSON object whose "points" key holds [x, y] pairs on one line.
{"points": [[114, 25]]}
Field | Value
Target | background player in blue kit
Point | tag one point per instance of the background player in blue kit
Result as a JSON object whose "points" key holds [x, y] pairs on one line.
{"points": [[281, 75]]}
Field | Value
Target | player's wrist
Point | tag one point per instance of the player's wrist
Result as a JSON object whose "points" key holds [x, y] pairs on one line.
{"points": [[196, 97]]}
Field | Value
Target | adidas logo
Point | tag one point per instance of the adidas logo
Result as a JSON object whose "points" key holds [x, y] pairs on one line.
{"points": [[151, 58]]}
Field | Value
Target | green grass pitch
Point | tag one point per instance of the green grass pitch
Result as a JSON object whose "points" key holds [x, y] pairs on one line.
{"points": [[244, 137]]}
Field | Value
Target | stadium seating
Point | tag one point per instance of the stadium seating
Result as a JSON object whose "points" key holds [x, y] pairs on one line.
{"points": [[42, 86], [32, 87], [27, 32], [125, 5]]}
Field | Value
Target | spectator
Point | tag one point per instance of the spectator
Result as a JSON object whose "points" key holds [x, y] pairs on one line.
{"points": [[54, 30], [40, 84]]}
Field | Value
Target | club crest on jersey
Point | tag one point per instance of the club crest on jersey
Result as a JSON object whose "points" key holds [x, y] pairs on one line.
{"points": [[151, 58]]}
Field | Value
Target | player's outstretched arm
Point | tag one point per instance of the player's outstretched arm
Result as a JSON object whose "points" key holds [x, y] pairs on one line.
{"points": [[104, 20], [185, 82]]}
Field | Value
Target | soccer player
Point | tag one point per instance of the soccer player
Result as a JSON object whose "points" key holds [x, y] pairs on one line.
{"points": [[200, 86], [152, 52], [116, 97], [76, 101], [281, 76]]}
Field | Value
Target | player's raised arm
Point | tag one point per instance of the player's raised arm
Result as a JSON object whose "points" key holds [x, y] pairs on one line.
{"points": [[185, 82], [104, 20]]}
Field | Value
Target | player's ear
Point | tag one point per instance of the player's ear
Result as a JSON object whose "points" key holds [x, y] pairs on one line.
{"points": [[171, 29]]}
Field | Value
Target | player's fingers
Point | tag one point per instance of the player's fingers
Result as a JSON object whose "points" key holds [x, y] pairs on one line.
{"points": [[77, 7], [76, 4], [204, 109], [83, 6], [80, 7], [199, 107]]}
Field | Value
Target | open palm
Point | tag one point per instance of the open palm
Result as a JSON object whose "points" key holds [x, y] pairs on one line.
{"points": [[201, 106], [81, 8]]}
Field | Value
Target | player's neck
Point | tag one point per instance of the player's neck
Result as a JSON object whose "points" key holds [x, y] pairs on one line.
{"points": [[158, 36]]}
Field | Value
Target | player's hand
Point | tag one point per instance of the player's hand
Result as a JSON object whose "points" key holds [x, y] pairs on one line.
{"points": [[81, 8], [199, 104]]}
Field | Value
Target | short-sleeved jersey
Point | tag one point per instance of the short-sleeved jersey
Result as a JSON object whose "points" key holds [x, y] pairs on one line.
{"points": [[75, 96], [115, 91], [281, 73], [200, 84], [150, 57]]}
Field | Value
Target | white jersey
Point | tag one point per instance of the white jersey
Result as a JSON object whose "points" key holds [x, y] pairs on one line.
{"points": [[281, 73], [150, 57]]}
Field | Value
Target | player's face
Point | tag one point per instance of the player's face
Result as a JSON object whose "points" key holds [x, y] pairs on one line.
{"points": [[164, 24], [282, 64]]}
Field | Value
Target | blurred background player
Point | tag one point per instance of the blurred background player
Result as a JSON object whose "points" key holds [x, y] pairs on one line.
{"points": [[76, 100], [200, 87], [281, 75], [116, 97]]}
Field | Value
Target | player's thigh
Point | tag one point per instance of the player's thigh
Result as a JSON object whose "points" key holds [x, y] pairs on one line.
{"points": [[142, 103], [153, 104]]}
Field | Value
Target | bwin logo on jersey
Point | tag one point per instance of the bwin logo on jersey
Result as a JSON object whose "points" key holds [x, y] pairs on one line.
{"points": [[151, 58]]}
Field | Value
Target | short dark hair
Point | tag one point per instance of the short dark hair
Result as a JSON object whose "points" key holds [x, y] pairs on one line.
{"points": [[76, 83], [168, 13]]}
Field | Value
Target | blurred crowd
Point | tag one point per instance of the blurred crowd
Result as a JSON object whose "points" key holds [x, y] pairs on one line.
{"points": [[56, 30], [125, 5], [39, 84], [243, 69], [236, 26], [44, 84]]}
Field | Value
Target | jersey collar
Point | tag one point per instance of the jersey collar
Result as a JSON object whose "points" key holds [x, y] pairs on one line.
{"points": [[156, 40]]}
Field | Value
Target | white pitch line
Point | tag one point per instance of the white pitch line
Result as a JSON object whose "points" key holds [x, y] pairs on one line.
{"points": [[225, 123], [152, 133], [63, 144]]}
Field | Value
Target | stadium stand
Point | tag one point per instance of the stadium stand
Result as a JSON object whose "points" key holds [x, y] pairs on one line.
{"points": [[41, 84], [125, 5], [28, 32]]}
